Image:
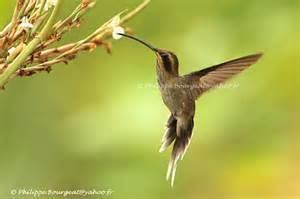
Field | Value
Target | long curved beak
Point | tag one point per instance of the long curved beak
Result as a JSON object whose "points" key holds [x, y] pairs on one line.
{"points": [[140, 41]]}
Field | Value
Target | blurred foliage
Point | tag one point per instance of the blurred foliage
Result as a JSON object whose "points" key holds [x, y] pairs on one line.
{"points": [[92, 125]]}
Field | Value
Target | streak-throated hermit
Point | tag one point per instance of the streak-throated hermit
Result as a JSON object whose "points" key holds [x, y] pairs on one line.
{"points": [[179, 94]]}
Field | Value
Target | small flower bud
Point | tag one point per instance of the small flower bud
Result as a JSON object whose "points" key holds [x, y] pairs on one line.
{"points": [[25, 23], [116, 31]]}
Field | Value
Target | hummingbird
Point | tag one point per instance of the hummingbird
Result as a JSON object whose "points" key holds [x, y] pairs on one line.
{"points": [[180, 92]]}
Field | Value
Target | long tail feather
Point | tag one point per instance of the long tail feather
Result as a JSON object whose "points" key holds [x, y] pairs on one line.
{"points": [[170, 134], [182, 141]]}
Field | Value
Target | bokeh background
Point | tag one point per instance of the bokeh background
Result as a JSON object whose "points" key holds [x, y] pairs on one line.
{"points": [[97, 123]]}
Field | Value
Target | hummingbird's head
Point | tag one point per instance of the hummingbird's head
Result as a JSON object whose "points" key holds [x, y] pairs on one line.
{"points": [[166, 60]]}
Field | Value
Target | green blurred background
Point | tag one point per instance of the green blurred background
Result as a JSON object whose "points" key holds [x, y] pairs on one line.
{"points": [[94, 123]]}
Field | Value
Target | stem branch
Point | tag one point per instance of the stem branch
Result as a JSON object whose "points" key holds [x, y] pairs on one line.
{"points": [[16, 64]]}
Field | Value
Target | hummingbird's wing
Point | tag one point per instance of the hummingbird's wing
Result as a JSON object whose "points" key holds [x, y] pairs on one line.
{"points": [[203, 80]]}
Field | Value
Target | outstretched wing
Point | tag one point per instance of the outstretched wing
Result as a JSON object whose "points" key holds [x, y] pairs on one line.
{"points": [[203, 80]]}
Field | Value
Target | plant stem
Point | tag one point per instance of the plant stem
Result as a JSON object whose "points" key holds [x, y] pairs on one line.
{"points": [[135, 11], [16, 64], [104, 29]]}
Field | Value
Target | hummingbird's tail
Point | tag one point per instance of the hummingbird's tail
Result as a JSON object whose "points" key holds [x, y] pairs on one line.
{"points": [[182, 134], [170, 134]]}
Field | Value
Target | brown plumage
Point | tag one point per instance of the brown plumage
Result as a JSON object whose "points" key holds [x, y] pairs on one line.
{"points": [[180, 92]]}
